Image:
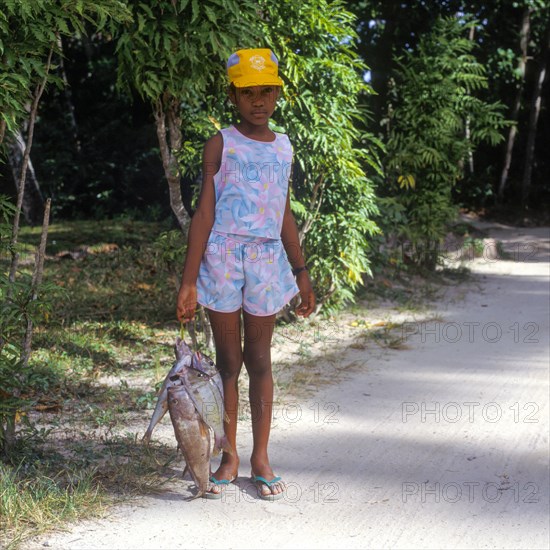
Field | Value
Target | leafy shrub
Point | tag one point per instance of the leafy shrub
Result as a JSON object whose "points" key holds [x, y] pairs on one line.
{"points": [[434, 103], [334, 199]]}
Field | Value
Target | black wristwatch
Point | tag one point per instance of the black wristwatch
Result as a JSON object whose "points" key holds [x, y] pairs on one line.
{"points": [[297, 270]]}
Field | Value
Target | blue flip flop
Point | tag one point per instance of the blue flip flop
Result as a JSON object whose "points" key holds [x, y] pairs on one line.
{"points": [[271, 496], [220, 483]]}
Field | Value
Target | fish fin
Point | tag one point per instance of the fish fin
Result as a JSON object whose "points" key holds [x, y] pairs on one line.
{"points": [[204, 429], [217, 446], [222, 444], [226, 417], [146, 437]]}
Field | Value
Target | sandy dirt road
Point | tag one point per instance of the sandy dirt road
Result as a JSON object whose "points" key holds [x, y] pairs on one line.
{"points": [[443, 444]]}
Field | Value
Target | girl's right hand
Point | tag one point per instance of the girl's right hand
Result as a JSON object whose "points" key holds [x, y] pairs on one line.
{"points": [[187, 302]]}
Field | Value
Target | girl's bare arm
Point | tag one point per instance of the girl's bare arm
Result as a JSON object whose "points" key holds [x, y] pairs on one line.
{"points": [[291, 242], [199, 229]]}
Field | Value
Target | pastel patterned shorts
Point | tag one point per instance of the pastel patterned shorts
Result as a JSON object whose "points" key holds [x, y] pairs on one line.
{"points": [[239, 271]]}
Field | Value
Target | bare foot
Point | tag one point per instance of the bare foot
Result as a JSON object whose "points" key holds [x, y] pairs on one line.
{"points": [[262, 468], [228, 470]]}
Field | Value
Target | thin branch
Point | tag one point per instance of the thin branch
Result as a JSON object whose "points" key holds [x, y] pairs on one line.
{"points": [[26, 157], [316, 190], [36, 281], [313, 203]]}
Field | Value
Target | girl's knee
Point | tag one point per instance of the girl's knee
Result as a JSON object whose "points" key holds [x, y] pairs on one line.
{"points": [[257, 363], [229, 365]]}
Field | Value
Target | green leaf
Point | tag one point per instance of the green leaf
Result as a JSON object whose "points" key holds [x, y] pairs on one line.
{"points": [[195, 7]]}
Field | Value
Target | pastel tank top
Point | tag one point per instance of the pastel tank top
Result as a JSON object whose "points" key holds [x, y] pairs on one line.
{"points": [[252, 185]]}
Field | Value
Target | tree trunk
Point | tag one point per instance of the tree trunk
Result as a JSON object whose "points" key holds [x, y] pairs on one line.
{"points": [[533, 120], [33, 202], [524, 41], [166, 111], [21, 187], [467, 132], [2, 130]]}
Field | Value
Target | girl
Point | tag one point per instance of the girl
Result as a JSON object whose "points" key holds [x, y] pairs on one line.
{"points": [[241, 239]]}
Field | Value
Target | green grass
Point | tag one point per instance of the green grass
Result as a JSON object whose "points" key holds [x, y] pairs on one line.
{"points": [[31, 503], [49, 489]]}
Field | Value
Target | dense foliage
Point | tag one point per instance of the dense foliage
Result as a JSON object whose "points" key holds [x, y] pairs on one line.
{"points": [[435, 124], [29, 30], [333, 197], [510, 45]]}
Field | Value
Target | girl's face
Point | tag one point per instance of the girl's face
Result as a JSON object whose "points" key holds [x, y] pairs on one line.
{"points": [[255, 103]]}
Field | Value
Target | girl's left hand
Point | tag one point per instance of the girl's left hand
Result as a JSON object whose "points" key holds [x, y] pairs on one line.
{"points": [[307, 304], [187, 302]]}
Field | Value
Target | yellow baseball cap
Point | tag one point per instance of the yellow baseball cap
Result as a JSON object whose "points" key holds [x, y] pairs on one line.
{"points": [[253, 67]]}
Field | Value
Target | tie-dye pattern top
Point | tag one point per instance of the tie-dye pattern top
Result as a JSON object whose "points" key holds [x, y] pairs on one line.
{"points": [[252, 185]]}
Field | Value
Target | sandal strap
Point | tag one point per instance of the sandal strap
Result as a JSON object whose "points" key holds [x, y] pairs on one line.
{"points": [[264, 480], [220, 481]]}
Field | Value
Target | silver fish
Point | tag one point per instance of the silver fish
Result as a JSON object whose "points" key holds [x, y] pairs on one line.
{"points": [[205, 364], [183, 359], [208, 399], [192, 434]]}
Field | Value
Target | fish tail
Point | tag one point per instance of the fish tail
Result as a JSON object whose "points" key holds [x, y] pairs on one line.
{"points": [[221, 444], [218, 444]]}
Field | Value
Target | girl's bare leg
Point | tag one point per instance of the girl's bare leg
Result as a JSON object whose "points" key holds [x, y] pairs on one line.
{"points": [[257, 359], [226, 329]]}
